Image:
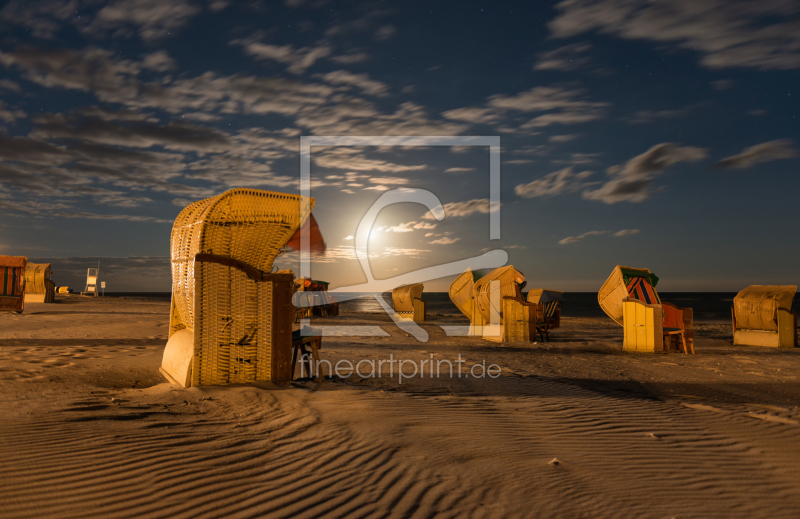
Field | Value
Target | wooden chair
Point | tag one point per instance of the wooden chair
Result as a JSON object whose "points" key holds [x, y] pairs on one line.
{"points": [[231, 319], [308, 361]]}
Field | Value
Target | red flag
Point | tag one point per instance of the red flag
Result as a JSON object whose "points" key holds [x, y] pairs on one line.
{"points": [[315, 240]]}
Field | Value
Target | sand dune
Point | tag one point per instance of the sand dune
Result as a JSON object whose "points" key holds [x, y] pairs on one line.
{"points": [[90, 429]]}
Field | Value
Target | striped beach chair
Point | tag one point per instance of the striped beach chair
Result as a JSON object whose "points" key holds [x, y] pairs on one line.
{"points": [[12, 293], [629, 297]]}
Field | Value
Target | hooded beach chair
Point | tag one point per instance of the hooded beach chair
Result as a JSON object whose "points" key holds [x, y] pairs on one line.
{"points": [[38, 286], [12, 276], [629, 297], [231, 319], [498, 302], [408, 303], [550, 312], [762, 316], [313, 298], [461, 294]]}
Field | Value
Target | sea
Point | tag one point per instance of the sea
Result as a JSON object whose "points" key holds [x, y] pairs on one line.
{"points": [[707, 306]]}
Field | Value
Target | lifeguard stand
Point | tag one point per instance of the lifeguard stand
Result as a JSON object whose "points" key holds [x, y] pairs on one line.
{"points": [[91, 282]]}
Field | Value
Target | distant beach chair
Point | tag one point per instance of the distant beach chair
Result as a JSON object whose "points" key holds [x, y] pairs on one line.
{"points": [[550, 313], [408, 303], [12, 275], [762, 316], [629, 297], [231, 319], [312, 294], [38, 286]]}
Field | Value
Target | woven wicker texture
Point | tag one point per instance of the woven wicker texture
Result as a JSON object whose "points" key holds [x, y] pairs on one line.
{"points": [[36, 277], [756, 307], [508, 278], [230, 314], [461, 293], [614, 291], [403, 297]]}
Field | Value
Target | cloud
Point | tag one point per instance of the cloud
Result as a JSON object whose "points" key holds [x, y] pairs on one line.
{"points": [[154, 19], [386, 32], [565, 107], [722, 84], [764, 152], [632, 182], [7, 84], [349, 238], [159, 61], [95, 216], [348, 59], [575, 239], [360, 81], [726, 33], [580, 237], [444, 241], [461, 209], [562, 138], [648, 116], [10, 115], [568, 57], [298, 60], [552, 184], [458, 170]]}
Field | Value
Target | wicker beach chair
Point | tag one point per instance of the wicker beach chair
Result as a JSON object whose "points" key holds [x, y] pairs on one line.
{"points": [[313, 298], [38, 286], [550, 317], [231, 319], [461, 294], [408, 303], [494, 293], [762, 316], [629, 297], [12, 276]]}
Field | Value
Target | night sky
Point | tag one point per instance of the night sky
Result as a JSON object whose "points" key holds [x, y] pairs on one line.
{"points": [[658, 134]]}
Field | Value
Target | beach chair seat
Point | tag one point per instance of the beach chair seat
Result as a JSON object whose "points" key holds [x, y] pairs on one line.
{"points": [[12, 277], [231, 318]]}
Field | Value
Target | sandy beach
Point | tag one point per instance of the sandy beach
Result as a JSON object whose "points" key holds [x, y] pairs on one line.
{"points": [[569, 428]]}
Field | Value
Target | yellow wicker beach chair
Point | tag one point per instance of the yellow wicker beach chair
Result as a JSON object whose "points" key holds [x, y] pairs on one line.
{"points": [[494, 293], [762, 316], [12, 292], [38, 286], [408, 303], [231, 319], [629, 297], [461, 294]]}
